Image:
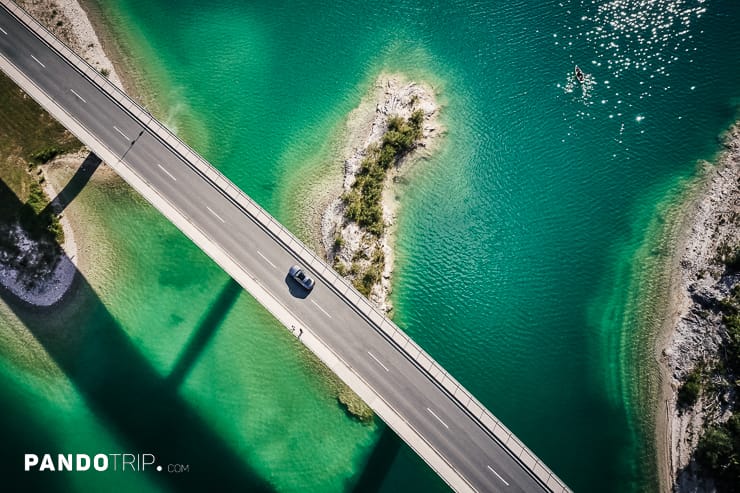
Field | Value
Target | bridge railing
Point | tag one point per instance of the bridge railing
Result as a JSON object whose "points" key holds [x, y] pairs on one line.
{"points": [[413, 351]]}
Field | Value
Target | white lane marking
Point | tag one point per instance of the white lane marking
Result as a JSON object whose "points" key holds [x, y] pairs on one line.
{"points": [[78, 96], [119, 131], [219, 217], [266, 259], [3, 31], [497, 475], [167, 172], [38, 61], [443, 423], [378, 361], [319, 307]]}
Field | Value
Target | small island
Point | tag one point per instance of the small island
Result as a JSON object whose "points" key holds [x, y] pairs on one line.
{"points": [[357, 226], [395, 126]]}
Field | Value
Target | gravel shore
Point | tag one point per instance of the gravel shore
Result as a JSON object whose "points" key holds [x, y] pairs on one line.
{"points": [[695, 331]]}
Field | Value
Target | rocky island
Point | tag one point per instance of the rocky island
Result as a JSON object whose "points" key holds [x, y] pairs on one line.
{"points": [[357, 225]]}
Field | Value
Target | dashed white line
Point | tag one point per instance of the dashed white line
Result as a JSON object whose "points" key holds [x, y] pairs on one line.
{"points": [[167, 172], [38, 61], [266, 259], [217, 216], [3, 31], [78, 96], [378, 361], [443, 423], [120, 132], [498, 475], [319, 307]]}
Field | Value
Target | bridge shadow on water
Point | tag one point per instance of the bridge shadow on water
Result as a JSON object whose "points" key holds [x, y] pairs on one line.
{"points": [[140, 406], [21, 433], [379, 462], [204, 333]]}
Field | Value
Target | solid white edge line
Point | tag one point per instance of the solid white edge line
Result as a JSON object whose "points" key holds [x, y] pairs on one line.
{"points": [[266, 259], [498, 475], [3, 31], [167, 172], [319, 307], [38, 61], [120, 132], [78, 96], [443, 423], [378, 361], [219, 217]]}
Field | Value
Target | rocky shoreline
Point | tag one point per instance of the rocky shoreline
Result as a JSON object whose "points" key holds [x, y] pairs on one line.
{"points": [[697, 329], [348, 245]]}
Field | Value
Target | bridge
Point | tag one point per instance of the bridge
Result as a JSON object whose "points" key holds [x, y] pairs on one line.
{"points": [[437, 417]]}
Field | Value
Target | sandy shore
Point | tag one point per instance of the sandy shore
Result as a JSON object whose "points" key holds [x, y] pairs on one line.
{"points": [[68, 21], [391, 95], [693, 332]]}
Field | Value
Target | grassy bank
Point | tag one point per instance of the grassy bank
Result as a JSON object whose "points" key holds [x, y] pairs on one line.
{"points": [[28, 137]]}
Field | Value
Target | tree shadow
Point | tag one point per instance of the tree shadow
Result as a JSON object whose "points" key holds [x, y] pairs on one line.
{"points": [[75, 185], [126, 392], [205, 331]]}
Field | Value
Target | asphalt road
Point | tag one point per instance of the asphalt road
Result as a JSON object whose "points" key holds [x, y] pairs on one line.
{"points": [[440, 420]]}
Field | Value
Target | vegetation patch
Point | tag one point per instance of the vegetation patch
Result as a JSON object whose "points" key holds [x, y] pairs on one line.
{"points": [[718, 451], [354, 406], [30, 232], [691, 388], [363, 201]]}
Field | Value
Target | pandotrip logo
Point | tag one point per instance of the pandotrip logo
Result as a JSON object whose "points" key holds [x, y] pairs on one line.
{"points": [[123, 462]]}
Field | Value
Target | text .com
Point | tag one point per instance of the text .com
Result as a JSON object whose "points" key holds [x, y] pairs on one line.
{"points": [[99, 462]]}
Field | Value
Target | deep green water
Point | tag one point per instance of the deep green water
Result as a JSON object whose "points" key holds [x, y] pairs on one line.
{"points": [[541, 219]]}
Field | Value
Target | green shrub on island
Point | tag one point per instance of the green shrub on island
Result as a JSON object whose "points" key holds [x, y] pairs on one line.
{"points": [[718, 453], [732, 350], [366, 282], [732, 261], [690, 390], [363, 201]]}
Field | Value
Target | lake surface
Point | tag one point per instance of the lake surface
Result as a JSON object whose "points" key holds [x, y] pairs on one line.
{"points": [[526, 245]]}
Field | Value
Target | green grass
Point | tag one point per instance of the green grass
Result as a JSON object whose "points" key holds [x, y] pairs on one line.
{"points": [[28, 136]]}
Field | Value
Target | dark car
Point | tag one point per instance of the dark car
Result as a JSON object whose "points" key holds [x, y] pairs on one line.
{"points": [[301, 278]]}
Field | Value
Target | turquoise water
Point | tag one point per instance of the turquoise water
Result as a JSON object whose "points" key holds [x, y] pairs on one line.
{"points": [[538, 218]]}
